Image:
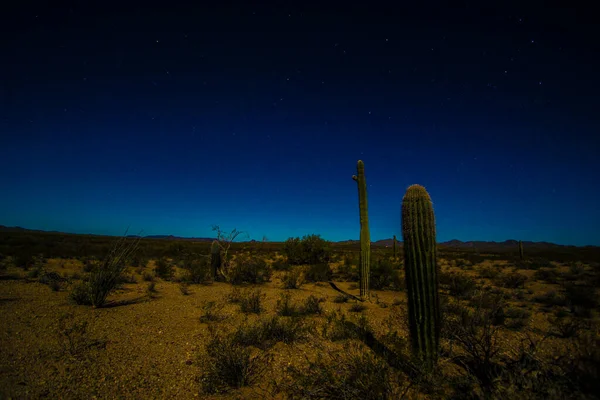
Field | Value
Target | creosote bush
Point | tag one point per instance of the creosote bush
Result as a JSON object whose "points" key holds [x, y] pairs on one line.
{"points": [[311, 249]]}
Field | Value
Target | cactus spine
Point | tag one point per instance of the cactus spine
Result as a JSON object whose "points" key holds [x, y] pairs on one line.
{"points": [[215, 258], [395, 246], [520, 250], [365, 236], [418, 232]]}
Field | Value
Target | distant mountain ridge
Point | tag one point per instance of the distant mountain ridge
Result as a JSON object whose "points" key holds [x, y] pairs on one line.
{"points": [[456, 244]]}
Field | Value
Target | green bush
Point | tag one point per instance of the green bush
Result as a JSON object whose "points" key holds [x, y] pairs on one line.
{"points": [[164, 269], [311, 249], [385, 275], [249, 268], [318, 273]]}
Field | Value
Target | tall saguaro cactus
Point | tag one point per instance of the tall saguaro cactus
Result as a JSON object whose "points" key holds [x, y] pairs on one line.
{"points": [[520, 250], [365, 236], [215, 258], [418, 231]]}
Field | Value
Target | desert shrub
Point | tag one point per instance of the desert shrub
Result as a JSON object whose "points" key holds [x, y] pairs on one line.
{"points": [[151, 288], [547, 275], [475, 334], [23, 260], [565, 327], [518, 318], [341, 298], [550, 298], [581, 299], [212, 312], [197, 270], [511, 280], [459, 285], [354, 373], [384, 274], [126, 278], [311, 249], [148, 276], [184, 288], [81, 294], [357, 307], [248, 268], [583, 364], [348, 271], [234, 296], [312, 305], [317, 272], [251, 301], [489, 272], [293, 279], [266, 332], [73, 335], [284, 306], [280, 265], [338, 327], [164, 269], [229, 365]]}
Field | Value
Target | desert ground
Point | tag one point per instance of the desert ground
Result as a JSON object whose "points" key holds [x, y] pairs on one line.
{"points": [[512, 329]]}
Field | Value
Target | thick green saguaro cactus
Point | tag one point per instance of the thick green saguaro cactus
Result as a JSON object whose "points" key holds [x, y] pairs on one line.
{"points": [[215, 258], [520, 250], [420, 263], [394, 246], [365, 236]]}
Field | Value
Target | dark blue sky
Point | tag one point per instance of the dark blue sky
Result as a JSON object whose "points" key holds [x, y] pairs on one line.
{"points": [[173, 119]]}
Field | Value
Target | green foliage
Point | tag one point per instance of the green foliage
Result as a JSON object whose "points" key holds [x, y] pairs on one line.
{"points": [[365, 236], [385, 275], [293, 279], [249, 268], [318, 272], [420, 263], [311, 249], [164, 269]]}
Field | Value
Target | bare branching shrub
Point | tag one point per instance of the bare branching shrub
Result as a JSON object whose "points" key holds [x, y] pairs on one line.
{"points": [[225, 241], [73, 336]]}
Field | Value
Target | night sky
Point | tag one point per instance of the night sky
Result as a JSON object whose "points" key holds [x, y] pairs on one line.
{"points": [[172, 119]]}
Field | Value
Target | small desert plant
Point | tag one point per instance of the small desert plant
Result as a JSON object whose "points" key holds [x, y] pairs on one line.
{"points": [[212, 312], [284, 306], [229, 365], [354, 373], [280, 265], [511, 280], [81, 294], [251, 301], [581, 299], [565, 327], [357, 307], [341, 298], [550, 298], [151, 288], [312, 305], [164, 269], [198, 270], [293, 279], [73, 336], [459, 285], [517, 318], [184, 287], [546, 274], [266, 332], [489, 272], [148, 276]]}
